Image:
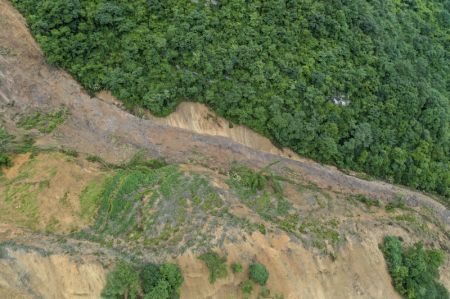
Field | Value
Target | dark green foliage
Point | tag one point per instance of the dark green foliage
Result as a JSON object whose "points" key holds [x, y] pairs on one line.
{"points": [[6, 142], [414, 270], [122, 282], [150, 276], [5, 161], [216, 265], [237, 268], [149, 282], [258, 273], [360, 84]]}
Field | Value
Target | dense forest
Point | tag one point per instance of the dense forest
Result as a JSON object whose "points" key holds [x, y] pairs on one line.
{"points": [[361, 84]]}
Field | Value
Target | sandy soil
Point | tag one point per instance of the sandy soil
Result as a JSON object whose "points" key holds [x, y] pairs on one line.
{"points": [[28, 274], [47, 189]]}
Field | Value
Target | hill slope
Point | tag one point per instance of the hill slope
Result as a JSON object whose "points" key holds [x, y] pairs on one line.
{"points": [[76, 202], [359, 84]]}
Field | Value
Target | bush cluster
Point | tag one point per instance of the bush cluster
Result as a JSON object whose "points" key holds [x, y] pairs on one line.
{"points": [[414, 270], [148, 282], [258, 273]]}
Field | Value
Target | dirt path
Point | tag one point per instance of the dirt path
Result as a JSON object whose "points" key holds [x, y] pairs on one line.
{"points": [[101, 127]]}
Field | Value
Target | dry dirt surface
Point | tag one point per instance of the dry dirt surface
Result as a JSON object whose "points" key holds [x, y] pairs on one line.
{"points": [[29, 274], [192, 135]]}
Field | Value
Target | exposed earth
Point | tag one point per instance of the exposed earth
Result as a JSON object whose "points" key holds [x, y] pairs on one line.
{"points": [[334, 255]]}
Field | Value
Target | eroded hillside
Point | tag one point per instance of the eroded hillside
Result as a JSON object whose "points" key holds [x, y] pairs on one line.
{"points": [[94, 188]]}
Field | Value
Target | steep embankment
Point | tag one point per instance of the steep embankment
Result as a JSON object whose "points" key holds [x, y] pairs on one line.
{"points": [[333, 252]]}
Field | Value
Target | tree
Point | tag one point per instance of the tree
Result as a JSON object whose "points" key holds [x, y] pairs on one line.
{"points": [[122, 282]]}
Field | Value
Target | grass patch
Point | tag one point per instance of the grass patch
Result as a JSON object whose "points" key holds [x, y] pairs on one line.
{"points": [[44, 122], [398, 203], [89, 198], [237, 268], [367, 201]]}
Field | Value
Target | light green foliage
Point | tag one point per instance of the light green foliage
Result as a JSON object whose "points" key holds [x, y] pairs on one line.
{"points": [[247, 287], [258, 273], [145, 202], [260, 190], [172, 274], [160, 291], [90, 197], [216, 265], [122, 282], [20, 196], [360, 84], [44, 122], [414, 269], [237, 268]]}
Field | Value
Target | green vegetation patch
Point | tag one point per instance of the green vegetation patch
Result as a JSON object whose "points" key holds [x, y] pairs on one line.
{"points": [[150, 281], [359, 84], [237, 268], [6, 141], [216, 265], [258, 273], [414, 269], [367, 201], [44, 122], [144, 203], [246, 287], [10, 145]]}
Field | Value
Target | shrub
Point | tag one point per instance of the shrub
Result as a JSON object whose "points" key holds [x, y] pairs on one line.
{"points": [[172, 274], [258, 273], [150, 276], [216, 265], [149, 282], [122, 282], [6, 141], [414, 270], [5, 161], [246, 287], [237, 268], [160, 291]]}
